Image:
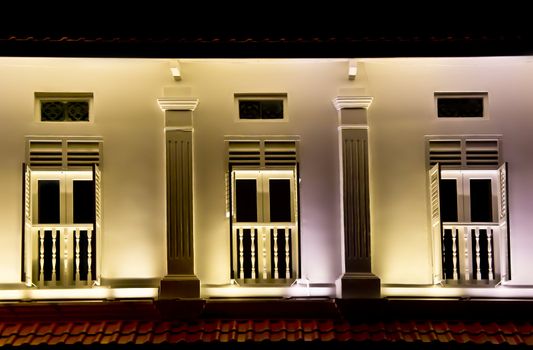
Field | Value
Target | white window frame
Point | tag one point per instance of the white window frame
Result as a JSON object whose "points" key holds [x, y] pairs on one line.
{"points": [[458, 95], [66, 182], [260, 97], [63, 97], [262, 178], [463, 178]]}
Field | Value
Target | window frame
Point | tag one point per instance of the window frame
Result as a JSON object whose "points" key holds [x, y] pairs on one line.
{"points": [[262, 177], [237, 97], [458, 95], [463, 178]]}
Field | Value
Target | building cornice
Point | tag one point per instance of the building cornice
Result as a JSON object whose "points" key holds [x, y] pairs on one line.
{"points": [[341, 102], [178, 103]]}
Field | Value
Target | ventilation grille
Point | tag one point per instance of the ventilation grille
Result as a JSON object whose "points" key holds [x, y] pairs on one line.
{"points": [[482, 152], [464, 152], [262, 153], [63, 153], [244, 153], [445, 152], [46, 154]]}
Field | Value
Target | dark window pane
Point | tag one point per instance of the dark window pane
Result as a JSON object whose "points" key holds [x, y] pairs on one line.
{"points": [[52, 111], [48, 194], [272, 109], [470, 107], [249, 109], [78, 111], [83, 202], [261, 109], [246, 200], [480, 200], [448, 200], [280, 200]]}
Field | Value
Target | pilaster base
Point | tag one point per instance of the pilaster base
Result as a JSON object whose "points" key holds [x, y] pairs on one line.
{"points": [[179, 286], [360, 285]]}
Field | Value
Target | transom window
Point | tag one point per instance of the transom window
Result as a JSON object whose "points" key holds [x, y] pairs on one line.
{"points": [[461, 104], [261, 106], [66, 107]]}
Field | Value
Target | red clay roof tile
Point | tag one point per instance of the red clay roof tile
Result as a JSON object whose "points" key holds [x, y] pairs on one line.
{"points": [[243, 330]]}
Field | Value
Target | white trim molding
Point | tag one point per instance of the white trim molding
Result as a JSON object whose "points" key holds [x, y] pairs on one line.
{"points": [[178, 103], [341, 102]]}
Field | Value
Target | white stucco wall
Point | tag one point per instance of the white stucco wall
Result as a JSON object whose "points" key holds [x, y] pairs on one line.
{"points": [[402, 113], [128, 118], [310, 86]]}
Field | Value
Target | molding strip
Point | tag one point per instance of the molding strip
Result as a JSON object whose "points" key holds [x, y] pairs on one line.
{"points": [[341, 102]]}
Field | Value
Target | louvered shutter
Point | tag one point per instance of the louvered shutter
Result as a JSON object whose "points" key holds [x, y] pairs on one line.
{"points": [[503, 219], [244, 153], [26, 233], [97, 181], [436, 225]]}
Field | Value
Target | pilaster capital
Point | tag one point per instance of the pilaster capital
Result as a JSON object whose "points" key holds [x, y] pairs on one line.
{"points": [[178, 103], [343, 102]]}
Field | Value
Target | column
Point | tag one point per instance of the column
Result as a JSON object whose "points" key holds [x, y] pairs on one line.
{"points": [[357, 280], [180, 281]]}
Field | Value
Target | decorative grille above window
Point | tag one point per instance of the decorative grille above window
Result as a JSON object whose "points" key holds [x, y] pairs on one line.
{"points": [[463, 151], [68, 107]]}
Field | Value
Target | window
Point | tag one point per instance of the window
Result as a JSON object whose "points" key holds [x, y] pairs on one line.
{"points": [[461, 104], [66, 107], [263, 210], [261, 107], [264, 221], [469, 224], [62, 213]]}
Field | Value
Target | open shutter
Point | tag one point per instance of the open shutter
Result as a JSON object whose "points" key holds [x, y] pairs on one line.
{"points": [[97, 180], [503, 219], [436, 225], [26, 233]]}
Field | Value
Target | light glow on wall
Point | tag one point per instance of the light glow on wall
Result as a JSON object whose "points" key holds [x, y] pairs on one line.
{"points": [[78, 293]]}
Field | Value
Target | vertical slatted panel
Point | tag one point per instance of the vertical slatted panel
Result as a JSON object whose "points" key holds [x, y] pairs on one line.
{"points": [[179, 202]]}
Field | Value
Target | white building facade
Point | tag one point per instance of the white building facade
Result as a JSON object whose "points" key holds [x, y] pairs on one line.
{"points": [[265, 178]]}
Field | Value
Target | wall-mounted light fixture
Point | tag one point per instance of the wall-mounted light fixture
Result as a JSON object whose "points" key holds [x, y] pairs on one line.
{"points": [[175, 69], [352, 69]]}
